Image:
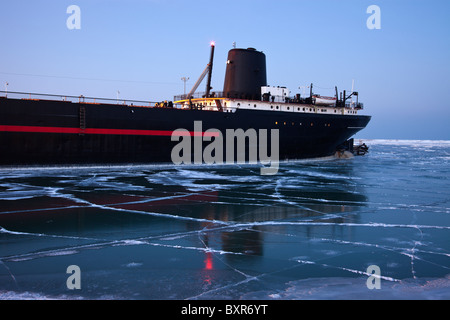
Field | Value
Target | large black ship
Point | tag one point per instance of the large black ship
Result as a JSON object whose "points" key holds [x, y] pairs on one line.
{"points": [[37, 129]]}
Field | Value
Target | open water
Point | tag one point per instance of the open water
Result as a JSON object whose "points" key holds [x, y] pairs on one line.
{"points": [[227, 232]]}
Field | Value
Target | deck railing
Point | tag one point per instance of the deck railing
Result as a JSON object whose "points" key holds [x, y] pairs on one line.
{"points": [[136, 103], [76, 99], [199, 95]]}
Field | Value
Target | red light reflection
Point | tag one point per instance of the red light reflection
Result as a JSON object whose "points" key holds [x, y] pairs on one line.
{"points": [[208, 261]]}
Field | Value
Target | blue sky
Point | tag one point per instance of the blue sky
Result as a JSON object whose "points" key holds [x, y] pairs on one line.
{"points": [[143, 48]]}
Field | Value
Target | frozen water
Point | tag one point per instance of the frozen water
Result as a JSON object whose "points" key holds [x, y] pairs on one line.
{"points": [[226, 232]]}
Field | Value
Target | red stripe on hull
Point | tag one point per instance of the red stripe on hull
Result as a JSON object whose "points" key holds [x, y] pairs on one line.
{"points": [[38, 129]]}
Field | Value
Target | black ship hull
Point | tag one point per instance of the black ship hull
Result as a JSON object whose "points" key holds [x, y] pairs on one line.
{"points": [[46, 132]]}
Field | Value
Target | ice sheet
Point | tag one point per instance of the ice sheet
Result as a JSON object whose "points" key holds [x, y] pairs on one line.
{"points": [[226, 232]]}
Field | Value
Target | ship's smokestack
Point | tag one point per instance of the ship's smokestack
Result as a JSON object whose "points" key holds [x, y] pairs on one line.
{"points": [[245, 74]]}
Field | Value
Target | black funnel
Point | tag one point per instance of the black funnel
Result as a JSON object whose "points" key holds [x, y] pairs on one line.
{"points": [[245, 74]]}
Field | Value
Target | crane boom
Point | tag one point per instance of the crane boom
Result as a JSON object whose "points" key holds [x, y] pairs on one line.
{"points": [[207, 71], [200, 79]]}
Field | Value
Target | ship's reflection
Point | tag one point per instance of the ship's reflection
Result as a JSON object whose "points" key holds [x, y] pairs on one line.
{"points": [[249, 240], [234, 220]]}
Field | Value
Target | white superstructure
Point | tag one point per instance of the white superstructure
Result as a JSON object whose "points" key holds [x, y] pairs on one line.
{"points": [[275, 99]]}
